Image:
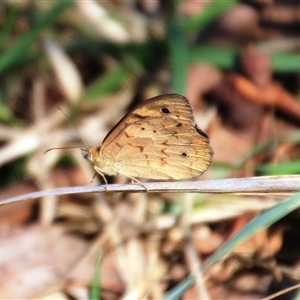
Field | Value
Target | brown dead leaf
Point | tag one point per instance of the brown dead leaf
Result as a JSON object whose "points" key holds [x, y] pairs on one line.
{"points": [[257, 84], [19, 212], [35, 260], [272, 95]]}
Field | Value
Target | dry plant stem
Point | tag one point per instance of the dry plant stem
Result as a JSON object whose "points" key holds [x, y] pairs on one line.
{"points": [[29, 139], [194, 264], [280, 293], [155, 268], [191, 255], [270, 185], [37, 167]]}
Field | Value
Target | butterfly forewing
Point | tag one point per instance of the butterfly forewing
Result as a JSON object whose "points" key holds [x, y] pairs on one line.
{"points": [[158, 140]]}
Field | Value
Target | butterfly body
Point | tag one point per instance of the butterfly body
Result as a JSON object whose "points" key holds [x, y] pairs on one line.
{"points": [[158, 139]]}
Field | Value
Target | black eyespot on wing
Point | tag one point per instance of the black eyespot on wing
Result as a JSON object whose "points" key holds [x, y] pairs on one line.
{"points": [[183, 154], [165, 110], [178, 125], [143, 128]]}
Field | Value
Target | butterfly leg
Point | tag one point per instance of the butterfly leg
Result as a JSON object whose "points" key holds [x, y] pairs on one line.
{"points": [[93, 178], [138, 182], [98, 170]]}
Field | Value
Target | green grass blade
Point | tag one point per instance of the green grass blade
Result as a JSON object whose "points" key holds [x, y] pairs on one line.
{"points": [[284, 168], [6, 115], [178, 55], [210, 13], [95, 291], [17, 49], [262, 221], [112, 80], [219, 56], [107, 83], [285, 62], [224, 57], [8, 25]]}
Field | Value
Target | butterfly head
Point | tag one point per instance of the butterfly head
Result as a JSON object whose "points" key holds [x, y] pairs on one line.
{"points": [[90, 154]]}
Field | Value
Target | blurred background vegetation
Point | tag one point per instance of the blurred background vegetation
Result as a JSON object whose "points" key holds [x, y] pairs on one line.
{"points": [[238, 64]]}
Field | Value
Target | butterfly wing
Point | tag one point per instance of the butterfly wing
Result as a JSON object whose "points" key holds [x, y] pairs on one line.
{"points": [[157, 140]]}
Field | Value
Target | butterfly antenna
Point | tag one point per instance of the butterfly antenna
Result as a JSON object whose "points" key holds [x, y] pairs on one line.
{"points": [[85, 144], [58, 148]]}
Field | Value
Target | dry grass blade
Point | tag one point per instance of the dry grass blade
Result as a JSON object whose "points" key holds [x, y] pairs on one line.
{"points": [[282, 185]]}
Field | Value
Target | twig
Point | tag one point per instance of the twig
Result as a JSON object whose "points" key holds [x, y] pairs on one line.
{"points": [[285, 185]]}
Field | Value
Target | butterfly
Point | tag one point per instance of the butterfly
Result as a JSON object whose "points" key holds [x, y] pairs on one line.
{"points": [[158, 139]]}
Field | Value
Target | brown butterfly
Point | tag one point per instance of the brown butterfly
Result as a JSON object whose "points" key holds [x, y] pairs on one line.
{"points": [[158, 139]]}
